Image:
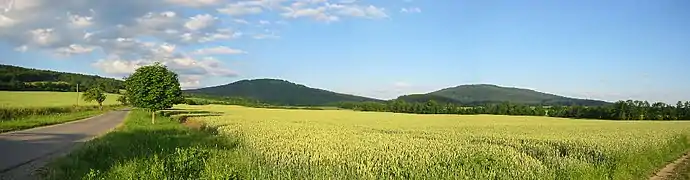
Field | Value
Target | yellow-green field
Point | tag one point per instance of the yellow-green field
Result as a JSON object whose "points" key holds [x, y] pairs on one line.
{"points": [[340, 144], [47, 99]]}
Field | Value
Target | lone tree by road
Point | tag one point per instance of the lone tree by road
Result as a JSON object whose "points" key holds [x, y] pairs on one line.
{"points": [[122, 99], [95, 94], [153, 88]]}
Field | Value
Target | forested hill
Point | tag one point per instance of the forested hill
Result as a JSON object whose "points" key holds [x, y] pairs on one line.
{"points": [[279, 92], [486, 93], [16, 78], [424, 98]]}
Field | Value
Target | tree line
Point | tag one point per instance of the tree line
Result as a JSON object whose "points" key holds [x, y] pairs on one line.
{"points": [[15, 78], [621, 110]]}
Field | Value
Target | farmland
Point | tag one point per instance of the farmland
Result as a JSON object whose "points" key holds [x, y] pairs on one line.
{"points": [[255, 143], [28, 109], [47, 99], [348, 144]]}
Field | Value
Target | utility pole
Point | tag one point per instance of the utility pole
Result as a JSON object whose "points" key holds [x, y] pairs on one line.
{"points": [[77, 94]]}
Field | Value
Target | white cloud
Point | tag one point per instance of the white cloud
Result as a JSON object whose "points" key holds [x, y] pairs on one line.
{"points": [[220, 34], [200, 22], [80, 21], [114, 65], [131, 33], [191, 81], [74, 49], [214, 67], [6, 21], [318, 14], [187, 67], [411, 10], [240, 21], [22, 48], [166, 48], [240, 8], [218, 50], [370, 11], [265, 36], [43, 37], [195, 3]]}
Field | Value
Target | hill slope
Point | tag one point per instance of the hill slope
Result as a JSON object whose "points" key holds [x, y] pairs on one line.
{"points": [[486, 93], [16, 78], [423, 98], [280, 92]]}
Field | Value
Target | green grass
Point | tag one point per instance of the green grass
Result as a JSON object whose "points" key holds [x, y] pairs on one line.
{"points": [[140, 150], [48, 99], [43, 120], [257, 143], [28, 109], [682, 171]]}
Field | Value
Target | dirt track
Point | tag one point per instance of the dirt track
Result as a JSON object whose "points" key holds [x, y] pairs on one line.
{"points": [[669, 171]]}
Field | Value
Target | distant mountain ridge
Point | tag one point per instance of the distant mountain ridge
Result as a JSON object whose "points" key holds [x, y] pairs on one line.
{"points": [[488, 93], [280, 92]]}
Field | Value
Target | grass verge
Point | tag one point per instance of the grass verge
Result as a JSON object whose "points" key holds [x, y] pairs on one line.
{"points": [[141, 150], [682, 171], [44, 120]]}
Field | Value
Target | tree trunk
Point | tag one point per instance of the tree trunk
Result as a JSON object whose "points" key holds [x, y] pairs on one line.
{"points": [[153, 117], [100, 106]]}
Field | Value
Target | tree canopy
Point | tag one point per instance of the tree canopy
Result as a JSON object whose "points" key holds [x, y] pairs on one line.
{"points": [[95, 94], [154, 88], [15, 78], [621, 110]]}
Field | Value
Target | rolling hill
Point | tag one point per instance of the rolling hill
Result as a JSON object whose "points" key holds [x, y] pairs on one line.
{"points": [[423, 98], [487, 93], [279, 92], [15, 78]]}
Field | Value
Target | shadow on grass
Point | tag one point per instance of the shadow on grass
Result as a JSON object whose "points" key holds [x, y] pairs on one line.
{"points": [[141, 150]]}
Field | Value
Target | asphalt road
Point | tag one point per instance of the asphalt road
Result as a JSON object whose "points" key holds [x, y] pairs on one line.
{"points": [[22, 152]]}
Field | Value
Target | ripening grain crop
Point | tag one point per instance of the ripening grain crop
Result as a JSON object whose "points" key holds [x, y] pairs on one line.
{"points": [[340, 144], [48, 99]]}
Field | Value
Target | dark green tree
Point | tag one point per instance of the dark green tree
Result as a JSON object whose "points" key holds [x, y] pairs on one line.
{"points": [[123, 100], [154, 88], [95, 94]]}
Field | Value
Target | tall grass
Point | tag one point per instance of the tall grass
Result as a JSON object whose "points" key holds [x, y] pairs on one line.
{"points": [[23, 110], [49, 99], [43, 120], [334, 144], [141, 150], [256, 143], [17, 113]]}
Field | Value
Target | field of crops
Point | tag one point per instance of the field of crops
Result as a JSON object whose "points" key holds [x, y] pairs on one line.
{"points": [[47, 99], [370, 145]]}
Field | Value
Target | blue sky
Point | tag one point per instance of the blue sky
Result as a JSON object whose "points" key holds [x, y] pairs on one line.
{"points": [[596, 49]]}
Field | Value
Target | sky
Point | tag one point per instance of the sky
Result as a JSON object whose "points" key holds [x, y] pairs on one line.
{"points": [[597, 49]]}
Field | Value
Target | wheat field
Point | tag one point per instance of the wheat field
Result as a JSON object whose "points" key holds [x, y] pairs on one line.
{"points": [[341, 144], [48, 99]]}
